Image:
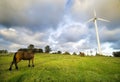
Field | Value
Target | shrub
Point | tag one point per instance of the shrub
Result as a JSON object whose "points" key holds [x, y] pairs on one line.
{"points": [[116, 54], [66, 53], [97, 54], [59, 52], [74, 53], [3, 51]]}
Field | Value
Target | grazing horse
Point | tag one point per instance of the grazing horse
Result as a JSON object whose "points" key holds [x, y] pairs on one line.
{"points": [[22, 55]]}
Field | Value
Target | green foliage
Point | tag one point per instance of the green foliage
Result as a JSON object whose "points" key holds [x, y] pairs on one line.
{"points": [[59, 52], [31, 48], [47, 49], [3, 51], [23, 49], [38, 50], [74, 53], [66, 53], [116, 54], [97, 54], [62, 68]]}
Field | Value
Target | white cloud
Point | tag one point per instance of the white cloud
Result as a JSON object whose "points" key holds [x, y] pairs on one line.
{"points": [[8, 33], [70, 36], [106, 49], [17, 37]]}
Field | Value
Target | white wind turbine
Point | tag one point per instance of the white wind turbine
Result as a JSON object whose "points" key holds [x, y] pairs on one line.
{"points": [[94, 19]]}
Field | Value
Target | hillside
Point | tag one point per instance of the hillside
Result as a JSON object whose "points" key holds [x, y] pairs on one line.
{"points": [[62, 68]]}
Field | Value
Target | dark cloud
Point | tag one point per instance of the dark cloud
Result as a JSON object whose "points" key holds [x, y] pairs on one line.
{"points": [[38, 14], [116, 45]]}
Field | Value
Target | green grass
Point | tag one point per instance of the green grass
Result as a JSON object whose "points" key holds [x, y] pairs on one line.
{"points": [[62, 68]]}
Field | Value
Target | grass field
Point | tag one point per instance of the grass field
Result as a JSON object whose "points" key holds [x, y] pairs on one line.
{"points": [[62, 68]]}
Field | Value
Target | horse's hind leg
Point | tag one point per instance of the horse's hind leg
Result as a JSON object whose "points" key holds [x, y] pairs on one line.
{"points": [[16, 65], [17, 60], [29, 64], [14, 60], [11, 65]]}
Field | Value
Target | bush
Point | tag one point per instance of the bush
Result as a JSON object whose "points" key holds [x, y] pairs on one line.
{"points": [[59, 52], [97, 54], [116, 54], [3, 51], [66, 53], [74, 53]]}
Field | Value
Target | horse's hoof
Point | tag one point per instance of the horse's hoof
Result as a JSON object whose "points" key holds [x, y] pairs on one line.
{"points": [[10, 69], [16, 68], [33, 65], [28, 65]]}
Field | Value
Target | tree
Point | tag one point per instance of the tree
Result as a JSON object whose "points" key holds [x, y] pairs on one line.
{"points": [[116, 54], [40, 50], [74, 53], [3, 51], [47, 49], [31, 46], [66, 53], [59, 52], [23, 49]]}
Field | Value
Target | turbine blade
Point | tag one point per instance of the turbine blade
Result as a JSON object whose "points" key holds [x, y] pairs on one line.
{"points": [[94, 12], [101, 19], [90, 20]]}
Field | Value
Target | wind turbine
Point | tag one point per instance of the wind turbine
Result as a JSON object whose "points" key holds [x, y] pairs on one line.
{"points": [[94, 19]]}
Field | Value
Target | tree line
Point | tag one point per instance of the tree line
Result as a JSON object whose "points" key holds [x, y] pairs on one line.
{"points": [[3, 51], [36, 50], [116, 54], [31, 47], [47, 49]]}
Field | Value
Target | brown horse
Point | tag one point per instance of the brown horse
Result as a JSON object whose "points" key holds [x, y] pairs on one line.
{"points": [[22, 55]]}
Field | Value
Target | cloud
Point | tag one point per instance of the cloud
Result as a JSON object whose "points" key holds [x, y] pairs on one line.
{"points": [[108, 9], [21, 36], [58, 23], [32, 14], [71, 36], [110, 35]]}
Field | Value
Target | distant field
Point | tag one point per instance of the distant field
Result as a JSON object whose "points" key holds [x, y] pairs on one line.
{"points": [[62, 68]]}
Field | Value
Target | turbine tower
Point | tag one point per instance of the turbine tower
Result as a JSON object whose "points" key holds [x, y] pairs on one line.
{"points": [[94, 19]]}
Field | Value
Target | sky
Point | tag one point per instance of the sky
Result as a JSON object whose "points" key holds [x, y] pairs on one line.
{"points": [[61, 24]]}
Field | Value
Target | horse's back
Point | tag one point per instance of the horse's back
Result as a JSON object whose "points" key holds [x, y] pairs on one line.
{"points": [[25, 55], [28, 56]]}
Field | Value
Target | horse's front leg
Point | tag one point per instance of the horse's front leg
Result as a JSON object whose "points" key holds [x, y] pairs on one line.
{"points": [[29, 64]]}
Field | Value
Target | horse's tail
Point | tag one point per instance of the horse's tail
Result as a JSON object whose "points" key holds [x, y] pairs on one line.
{"points": [[14, 59]]}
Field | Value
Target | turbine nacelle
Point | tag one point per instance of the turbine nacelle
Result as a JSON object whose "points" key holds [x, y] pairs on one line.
{"points": [[96, 18]]}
